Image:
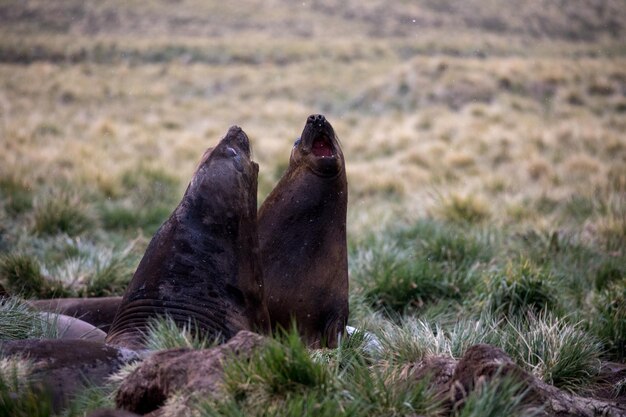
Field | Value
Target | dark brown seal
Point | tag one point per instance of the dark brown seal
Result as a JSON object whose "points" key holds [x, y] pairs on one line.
{"points": [[302, 236], [62, 368], [98, 311], [72, 328], [202, 266]]}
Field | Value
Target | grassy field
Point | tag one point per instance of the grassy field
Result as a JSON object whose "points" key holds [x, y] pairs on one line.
{"points": [[484, 143]]}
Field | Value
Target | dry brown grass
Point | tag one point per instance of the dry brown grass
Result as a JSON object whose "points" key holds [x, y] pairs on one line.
{"points": [[419, 117]]}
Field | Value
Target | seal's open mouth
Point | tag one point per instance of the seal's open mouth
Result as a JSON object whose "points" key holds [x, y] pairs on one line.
{"points": [[322, 147]]}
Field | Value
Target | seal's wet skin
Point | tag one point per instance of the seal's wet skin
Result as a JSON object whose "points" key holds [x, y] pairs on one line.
{"points": [[202, 265], [302, 236]]}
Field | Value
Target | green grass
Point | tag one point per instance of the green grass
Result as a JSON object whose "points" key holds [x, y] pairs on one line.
{"points": [[463, 210], [19, 396], [411, 267], [62, 267], [93, 271], [521, 288], [149, 186], [610, 272], [89, 399], [608, 322], [16, 195], [143, 199], [514, 291], [401, 284], [501, 396], [18, 321], [555, 351], [21, 274], [92, 397], [281, 369], [164, 333], [471, 331], [120, 218], [63, 213], [284, 378]]}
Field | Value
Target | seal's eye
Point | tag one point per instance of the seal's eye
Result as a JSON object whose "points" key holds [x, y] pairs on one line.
{"points": [[297, 142], [230, 151]]}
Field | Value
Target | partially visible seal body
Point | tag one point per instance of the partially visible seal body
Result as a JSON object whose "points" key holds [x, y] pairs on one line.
{"points": [[68, 327], [62, 368], [302, 236], [98, 311], [202, 266]]}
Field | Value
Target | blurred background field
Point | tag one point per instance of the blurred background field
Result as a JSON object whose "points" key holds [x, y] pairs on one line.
{"points": [[484, 142]]}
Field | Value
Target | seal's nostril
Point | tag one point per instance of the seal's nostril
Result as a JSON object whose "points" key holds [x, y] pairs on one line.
{"points": [[316, 118]]}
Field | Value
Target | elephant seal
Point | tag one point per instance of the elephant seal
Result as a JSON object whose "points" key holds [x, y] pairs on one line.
{"points": [[302, 236], [72, 328], [202, 265], [98, 311]]}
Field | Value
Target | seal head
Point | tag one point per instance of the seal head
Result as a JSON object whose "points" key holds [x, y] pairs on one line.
{"points": [[318, 148], [202, 266]]}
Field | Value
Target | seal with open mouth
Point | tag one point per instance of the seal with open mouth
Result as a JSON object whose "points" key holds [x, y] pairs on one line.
{"points": [[302, 236], [202, 266]]}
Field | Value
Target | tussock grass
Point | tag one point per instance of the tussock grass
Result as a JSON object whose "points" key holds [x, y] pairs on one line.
{"points": [[281, 374], [610, 272], [118, 217], [412, 267], [412, 340], [145, 198], [468, 332], [454, 245], [463, 209], [386, 393], [284, 378], [19, 396], [15, 372], [279, 370], [609, 321], [110, 277], [555, 351], [92, 397], [519, 289], [357, 349], [612, 226], [63, 213], [620, 387], [501, 396], [18, 321], [401, 283], [93, 271], [149, 186], [165, 333], [89, 399], [16, 195], [21, 274], [63, 267]]}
